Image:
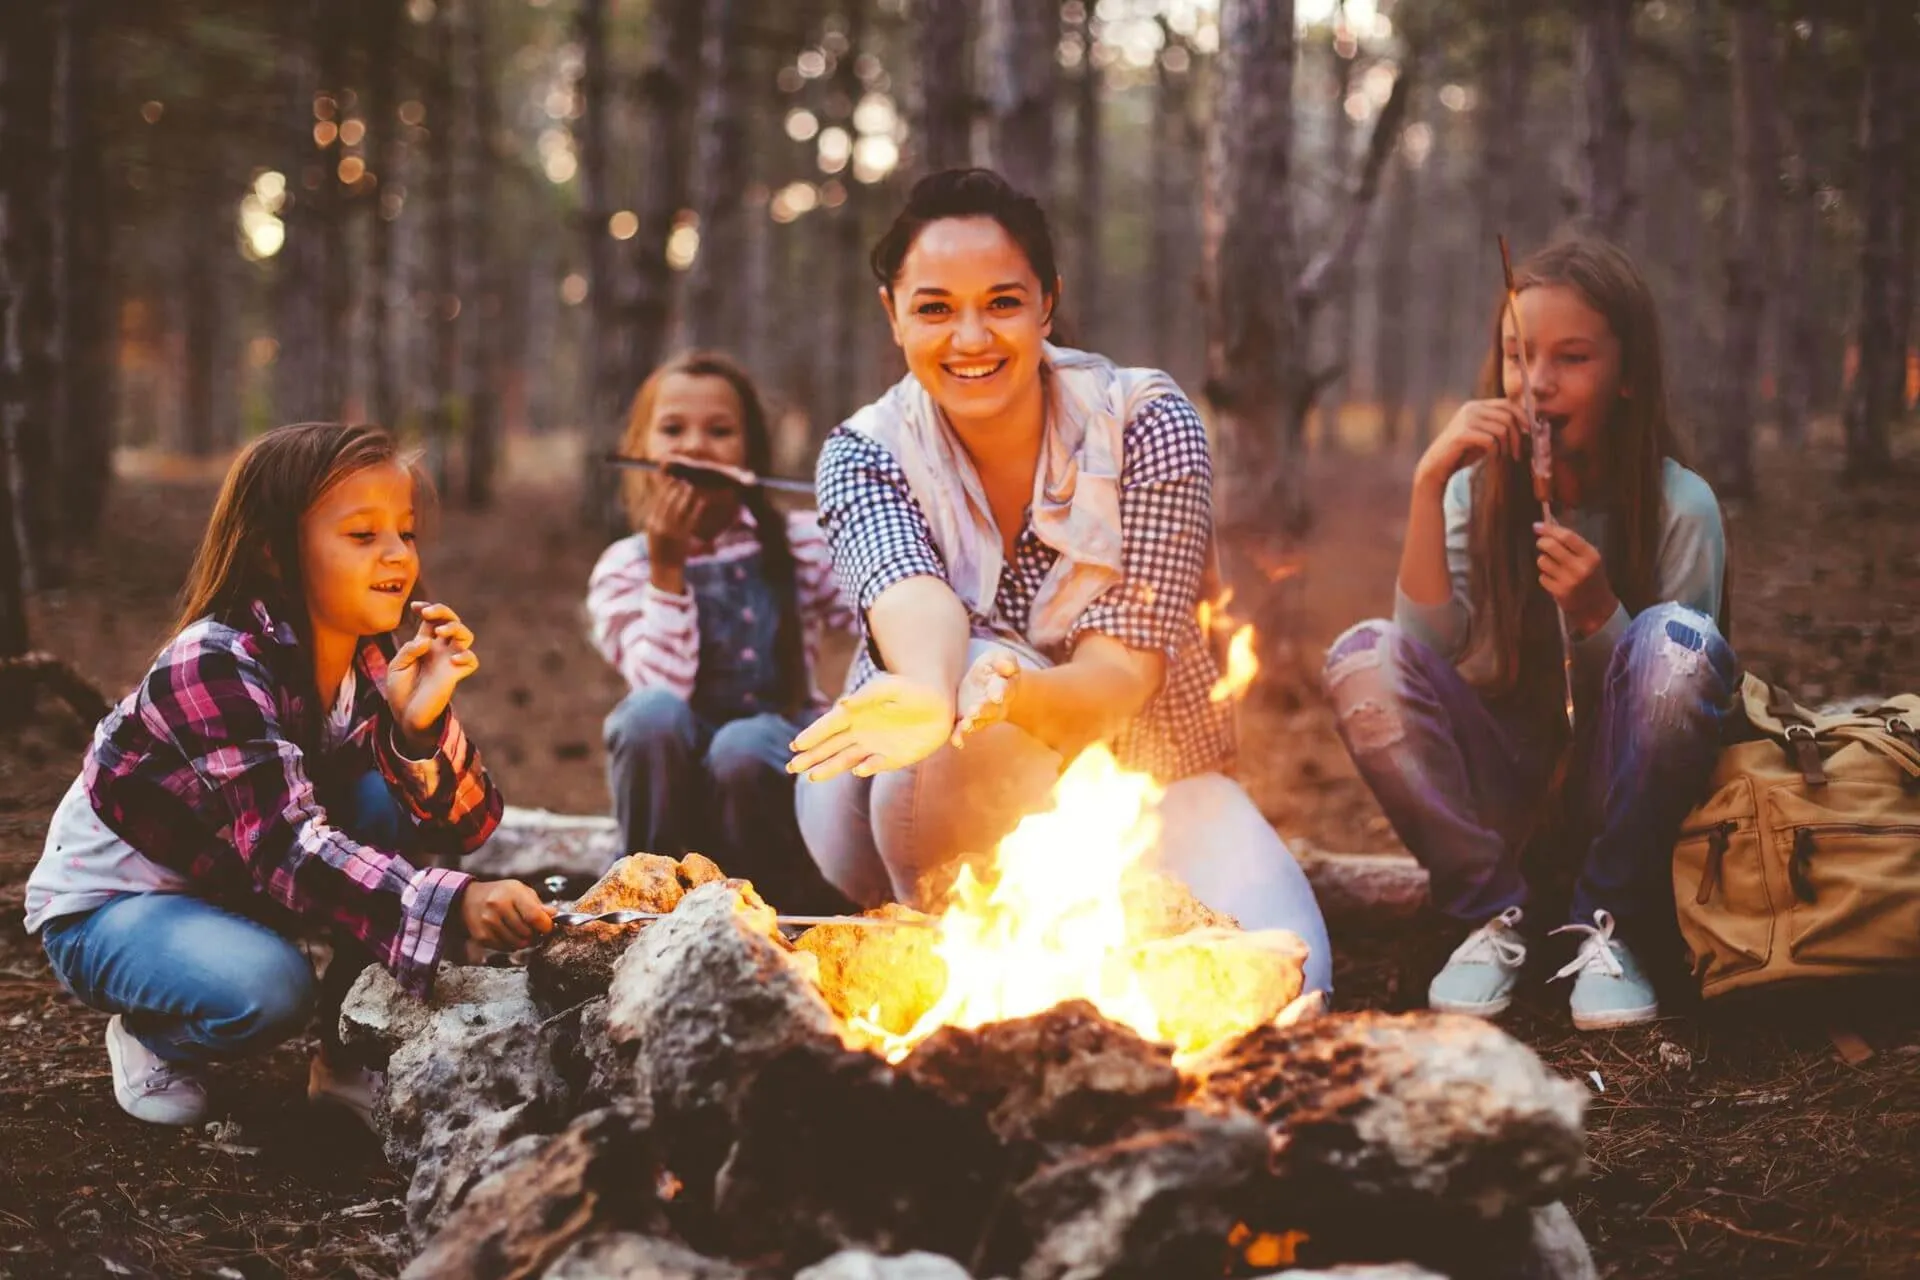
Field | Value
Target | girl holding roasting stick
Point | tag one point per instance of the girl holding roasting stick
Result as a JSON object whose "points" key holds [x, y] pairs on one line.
{"points": [[1023, 531], [1455, 713]]}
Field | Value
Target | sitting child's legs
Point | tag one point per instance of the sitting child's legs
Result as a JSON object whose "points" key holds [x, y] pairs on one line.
{"points": [[756, 834], [653, 771]]}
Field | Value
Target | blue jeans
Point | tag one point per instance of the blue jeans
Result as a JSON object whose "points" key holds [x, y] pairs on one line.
{"points": [[1461, 782], [681, 784], [197, 982], [898, 836]]}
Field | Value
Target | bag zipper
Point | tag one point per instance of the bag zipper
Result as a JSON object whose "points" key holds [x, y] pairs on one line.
{"points": [[1801, 862], [1719, 838]]}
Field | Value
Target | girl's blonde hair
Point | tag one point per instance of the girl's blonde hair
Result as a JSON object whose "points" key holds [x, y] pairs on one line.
{"points": [[1514, 628], [251, 549], [776, 553]]}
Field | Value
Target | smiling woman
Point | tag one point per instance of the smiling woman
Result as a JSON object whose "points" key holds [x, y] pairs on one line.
{"points": [[1024, 530]]}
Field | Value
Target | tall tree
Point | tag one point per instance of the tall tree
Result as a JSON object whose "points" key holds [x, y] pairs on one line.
{"points": [[943, 124], [1343, 55], [1171, 197], [302, 264], [481, 283], [1799, 319], [1877, 394], [1089, 182], [1750, 250], [1394, 291], [716, 287], [444, 201], [1602, 45], [385, 32], [1023, 90], [1506, 79], [28, 380], [852, 305], [85, 288]]}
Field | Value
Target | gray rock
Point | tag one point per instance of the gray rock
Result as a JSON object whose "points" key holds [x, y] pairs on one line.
{"points": [[858, 1264], [637, 1257], [1560, 1252], [1154, 1204], [1369, 887], [1423, 1108], [377, 1017], [706, 998], [1362, 1271], [598, 1176]]}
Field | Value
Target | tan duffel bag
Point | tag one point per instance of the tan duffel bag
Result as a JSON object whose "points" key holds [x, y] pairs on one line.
{"points": [[1805, 861]]}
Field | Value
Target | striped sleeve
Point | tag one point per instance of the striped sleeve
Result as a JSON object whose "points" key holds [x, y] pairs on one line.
{"points": [[822, 607], [650, 636]]}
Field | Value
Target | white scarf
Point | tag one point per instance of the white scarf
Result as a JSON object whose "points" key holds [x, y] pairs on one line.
{"points": [[1076, 487]]}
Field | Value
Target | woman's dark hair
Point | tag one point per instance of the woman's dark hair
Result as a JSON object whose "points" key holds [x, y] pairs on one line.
{"points": [[776, 553], [968, 193]]}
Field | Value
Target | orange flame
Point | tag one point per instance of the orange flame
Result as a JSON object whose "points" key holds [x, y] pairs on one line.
{"points": [[1242, 667]]}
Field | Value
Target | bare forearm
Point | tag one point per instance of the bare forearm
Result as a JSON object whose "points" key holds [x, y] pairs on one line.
{"points": [[1423, 556], [920, 628], [1088, 698]]}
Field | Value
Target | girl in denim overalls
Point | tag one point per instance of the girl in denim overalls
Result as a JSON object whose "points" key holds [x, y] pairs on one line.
{"points": [[711, 610]]}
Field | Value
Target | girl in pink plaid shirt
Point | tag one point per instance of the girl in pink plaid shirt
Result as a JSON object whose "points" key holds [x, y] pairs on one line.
{"points": [[284, 761]]}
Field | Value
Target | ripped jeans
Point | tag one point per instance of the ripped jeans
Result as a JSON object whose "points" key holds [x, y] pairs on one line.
{"points": [[1460, 780]]}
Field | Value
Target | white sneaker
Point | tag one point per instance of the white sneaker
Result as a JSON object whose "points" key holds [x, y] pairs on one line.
{"points": [[1609, 987], [355, 1089], [150, 1088], [1479, 976]]}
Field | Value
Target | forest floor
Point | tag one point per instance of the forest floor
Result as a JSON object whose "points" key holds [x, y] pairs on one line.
{"points": [[1725, 1142]]}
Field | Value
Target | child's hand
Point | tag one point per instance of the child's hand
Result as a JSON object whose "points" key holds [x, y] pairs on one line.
{"points": [[672, 515], [986, 692], [1480, 428], [502, 915], [888, 723], [421, 677], [1572, 573]]}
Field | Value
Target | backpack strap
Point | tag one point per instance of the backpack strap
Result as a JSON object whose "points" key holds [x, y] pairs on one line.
{"points": [[1803, 746]]}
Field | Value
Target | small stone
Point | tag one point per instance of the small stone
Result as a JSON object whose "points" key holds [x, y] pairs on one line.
{"points": [[858, 1264], [637, 1257]]}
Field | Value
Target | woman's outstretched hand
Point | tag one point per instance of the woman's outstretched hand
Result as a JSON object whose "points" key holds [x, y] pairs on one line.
{"points": [[888, 723], [986, 692], [422, 675]]}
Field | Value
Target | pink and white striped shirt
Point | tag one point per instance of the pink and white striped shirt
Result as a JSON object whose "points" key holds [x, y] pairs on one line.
{"points": [[652, 637]]}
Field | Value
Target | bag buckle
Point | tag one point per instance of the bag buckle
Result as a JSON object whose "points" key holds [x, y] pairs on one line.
{"points": [[1804, 747]]}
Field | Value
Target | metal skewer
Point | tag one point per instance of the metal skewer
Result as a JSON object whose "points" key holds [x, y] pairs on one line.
{"points": [[573, 919], [745, 478], [1540, 435]]}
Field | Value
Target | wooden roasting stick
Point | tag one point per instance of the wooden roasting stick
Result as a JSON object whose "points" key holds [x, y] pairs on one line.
{"points": [[1540, 447], [710, 475]]}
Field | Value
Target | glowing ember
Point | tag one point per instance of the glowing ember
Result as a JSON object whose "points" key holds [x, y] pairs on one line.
{"points": [[1050, 923]]}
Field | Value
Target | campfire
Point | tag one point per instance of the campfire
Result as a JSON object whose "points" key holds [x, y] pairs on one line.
{"points": [[1072, 1069]]}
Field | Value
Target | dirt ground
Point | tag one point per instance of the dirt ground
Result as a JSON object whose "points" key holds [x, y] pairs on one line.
{"points": [[1726, 1142]]}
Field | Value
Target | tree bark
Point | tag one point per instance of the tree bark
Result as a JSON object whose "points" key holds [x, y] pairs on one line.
{"points": [[1799, 333], [716, 288], [944, 126], [844, 389], [1750, 256], [1601, 49], [1168, 277], [1340, 299], [28, 375], [203, 241], [1254, 361], [86, 289], [1393, 290], [1875, 396], [443, 250], [1023, 66], [483, 284], [383, 150], [301, 263], [1506, 75], [1083, 296]]}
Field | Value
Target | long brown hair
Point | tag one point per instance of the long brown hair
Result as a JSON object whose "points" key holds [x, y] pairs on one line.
{"points": [[251, 550], [1514, 629], [770, 523]]}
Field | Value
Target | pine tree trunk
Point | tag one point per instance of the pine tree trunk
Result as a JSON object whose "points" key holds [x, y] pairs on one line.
{"points": [[383, 149], [845, 388], [443, 249], [15, 695], [1340, 300], [715, 289], [483, 286], [203, 241], [1601, 50], [1254, 360], [1873, 401], [1168, 275], [301, 264], [88, 288], [1750, 256], [1801, 113], [1392, 288], [29, 378], [608, 366], [1083, 296], [944, 128], [1506, 75], [1023, 66]]}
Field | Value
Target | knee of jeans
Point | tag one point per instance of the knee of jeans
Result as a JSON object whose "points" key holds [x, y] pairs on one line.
{"points": [[737, 759], [1677, 657], [1363, 683], [648, 718], [271, 1001]]}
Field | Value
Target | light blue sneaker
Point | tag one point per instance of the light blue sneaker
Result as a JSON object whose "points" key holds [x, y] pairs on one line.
{"points": [[1609, 990], [1478, 977]]}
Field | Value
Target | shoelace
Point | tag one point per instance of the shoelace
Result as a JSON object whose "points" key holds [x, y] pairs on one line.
{"points": [[164, 1075], [1596, 949], [1494, 942]]}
